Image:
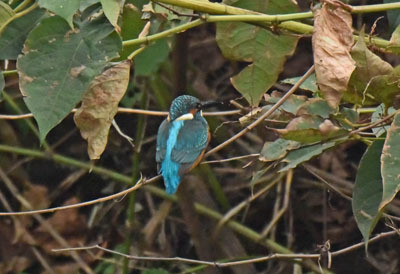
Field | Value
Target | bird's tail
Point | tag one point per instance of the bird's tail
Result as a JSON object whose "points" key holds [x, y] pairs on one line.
{"points": [[170, 173]]}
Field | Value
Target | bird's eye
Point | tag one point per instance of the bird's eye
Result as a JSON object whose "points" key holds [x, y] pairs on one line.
{"points": [[198, 106]]}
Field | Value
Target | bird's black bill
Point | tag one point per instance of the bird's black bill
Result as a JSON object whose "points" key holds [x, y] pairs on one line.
{"points": [[209, 104]]}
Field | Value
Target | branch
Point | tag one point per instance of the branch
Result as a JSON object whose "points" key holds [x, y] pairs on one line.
{"points": [[266, 20], [131, 111], [262, 117], [123, 193], [233, 263]]}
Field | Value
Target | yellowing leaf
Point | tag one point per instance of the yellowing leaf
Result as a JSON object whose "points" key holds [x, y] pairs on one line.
{"points": [[6, 13], [368, 65], [332, 41], [390, 163], [310, 129], [99, 106], [111, 9], [394, 45]]}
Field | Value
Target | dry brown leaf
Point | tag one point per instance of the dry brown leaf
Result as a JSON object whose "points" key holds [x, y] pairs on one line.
{"points": [[37, 195], [68, 223], [99, 106], [332, 41]]}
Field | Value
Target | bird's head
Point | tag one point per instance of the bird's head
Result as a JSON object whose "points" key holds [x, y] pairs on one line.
{"points": [[184, 107]]}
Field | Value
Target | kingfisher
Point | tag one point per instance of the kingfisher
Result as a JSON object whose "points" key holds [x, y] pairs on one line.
{"points": [[182, 139]]}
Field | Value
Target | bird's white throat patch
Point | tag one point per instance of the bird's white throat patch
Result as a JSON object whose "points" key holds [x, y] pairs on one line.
{"points": [[187, 116]]}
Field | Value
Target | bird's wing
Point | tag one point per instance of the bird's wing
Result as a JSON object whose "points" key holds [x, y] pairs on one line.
{"points": [[192, 140], [162, 137]]}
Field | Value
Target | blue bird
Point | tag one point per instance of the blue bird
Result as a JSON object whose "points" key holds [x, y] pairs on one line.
{"points": [[182, 139]]}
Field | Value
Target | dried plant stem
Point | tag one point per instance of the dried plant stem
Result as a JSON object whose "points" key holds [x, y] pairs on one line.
{"points": [[279, 214], [233, 263], [239, 228], [130, 111], [235, 210]]}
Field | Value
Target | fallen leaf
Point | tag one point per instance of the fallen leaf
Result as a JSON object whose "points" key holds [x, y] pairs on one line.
{"points": [[99, 106], [332, 41], [68, 223]]}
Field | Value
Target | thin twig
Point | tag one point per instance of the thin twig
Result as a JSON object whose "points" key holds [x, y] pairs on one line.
{"points": [[139, 184], [375, 124], [265, 115], [362, 244], [233, 263], [334, 188], [286, 199], [231, 159], [129, 110], [235, 210], [57, 237]]}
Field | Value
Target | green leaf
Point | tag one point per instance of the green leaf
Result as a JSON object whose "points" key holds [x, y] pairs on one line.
{"points": [[64, 8], [390, 161], [2, 84], [58, 65], [111, 8], [309, 129], [393, 15], [290, 105], [265, 51], [277, 149], [367, 191], [303, 154], [6, 13], [149, 60], [13, 37], [379, 114], [346, 117], [309, 84], [131, 26], [316, 106], [293, 103], [368, 65], [385, 88], [84, 4]]}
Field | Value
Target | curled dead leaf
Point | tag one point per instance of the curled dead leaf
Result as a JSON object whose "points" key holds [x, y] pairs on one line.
{"points": [[327, 127], [99, 106], [332, 41]]}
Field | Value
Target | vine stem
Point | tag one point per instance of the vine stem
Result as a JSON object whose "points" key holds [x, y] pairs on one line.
{"points": [[262, 19]]}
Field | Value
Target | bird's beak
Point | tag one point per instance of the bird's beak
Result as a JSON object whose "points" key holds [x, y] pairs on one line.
{"points": [[209, 104], [187, 116]]}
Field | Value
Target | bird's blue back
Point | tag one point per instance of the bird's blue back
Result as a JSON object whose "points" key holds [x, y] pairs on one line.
{"points": [[179, 145]]}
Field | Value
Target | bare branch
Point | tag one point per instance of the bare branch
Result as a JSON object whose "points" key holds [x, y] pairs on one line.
{"points": [[139, 184], [131, 111]]}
